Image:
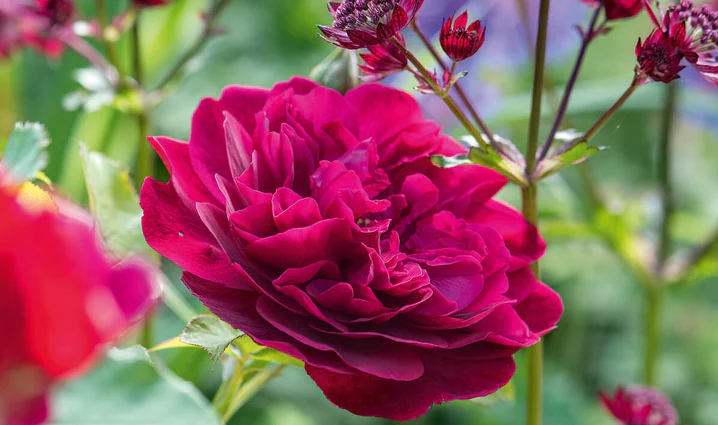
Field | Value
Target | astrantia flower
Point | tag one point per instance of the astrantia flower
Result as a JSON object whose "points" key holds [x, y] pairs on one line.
{"points": [[363, 23], [684, 32], [34, 23], [317, 224], [383, 60], [459, 41], [618, 9], [640, 406], [61, 300]]}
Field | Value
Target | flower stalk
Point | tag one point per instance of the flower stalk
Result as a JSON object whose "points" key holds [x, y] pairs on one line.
{"points": [[144, 164], [612, 110], [429, 78], [103, 20], [211, 18], [529, 193], [459, 89], [587, 37]]}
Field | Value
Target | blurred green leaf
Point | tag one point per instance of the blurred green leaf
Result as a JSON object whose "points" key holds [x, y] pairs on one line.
{"points": [[131, 388], [505, 393], [490, 158], [26, 152], [258, 352], [115, 205], [210, 333]]}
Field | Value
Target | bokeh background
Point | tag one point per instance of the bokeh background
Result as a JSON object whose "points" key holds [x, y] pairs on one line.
{"points": [[598, 343]]}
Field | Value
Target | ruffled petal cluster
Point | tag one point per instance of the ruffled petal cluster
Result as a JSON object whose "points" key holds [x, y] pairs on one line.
{"points": [[61, 300], [640, 406], [317, 224]]}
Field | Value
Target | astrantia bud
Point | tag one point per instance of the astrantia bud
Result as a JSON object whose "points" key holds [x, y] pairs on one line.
{"points": [[363, 23], [337, 71], [640, 406], [58, 12], [618, 9], [383, 60], [459, 41]]}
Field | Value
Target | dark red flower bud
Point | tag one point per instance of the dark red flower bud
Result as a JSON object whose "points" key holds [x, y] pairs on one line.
{"points": [[640, 406], [363, 23], [151, 3], [459, 41], [618, 9], [383, 60]]}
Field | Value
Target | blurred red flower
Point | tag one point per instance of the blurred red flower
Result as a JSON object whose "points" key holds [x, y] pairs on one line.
{"points": [[34, 23], [152, 3], [618, 9], [61, 300], [640, 406]]}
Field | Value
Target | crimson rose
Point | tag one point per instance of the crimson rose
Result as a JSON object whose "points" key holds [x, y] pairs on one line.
{"points": [[317, 224]]}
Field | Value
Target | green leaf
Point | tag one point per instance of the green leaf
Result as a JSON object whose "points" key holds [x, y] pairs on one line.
{"points": [[131, 388], [26, 152], [569, 148], [490, 158], [210, 333], [114, 205]]}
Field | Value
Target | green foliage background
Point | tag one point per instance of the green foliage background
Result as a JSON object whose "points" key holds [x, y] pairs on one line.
{"points": [[598, 343]]}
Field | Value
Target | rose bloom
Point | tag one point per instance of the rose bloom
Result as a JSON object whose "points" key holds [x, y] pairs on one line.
{"points": [[317, 224], [61, 300], [640, 406]]}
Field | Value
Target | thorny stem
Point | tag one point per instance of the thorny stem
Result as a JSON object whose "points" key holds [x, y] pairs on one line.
{"points": [[103, 19], [210, 20], [429, 79], [459, 90], [144, 165], [587, 37], [534, 354]]}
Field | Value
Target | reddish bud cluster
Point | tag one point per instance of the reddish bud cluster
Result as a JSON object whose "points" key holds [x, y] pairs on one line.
{"points": [[683, 32], [151, 3], [459, 41]]}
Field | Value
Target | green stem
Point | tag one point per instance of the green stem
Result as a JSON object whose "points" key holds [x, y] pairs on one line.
{"points": [[652, 333], [247, 390], [103, 20], [534, 354], [429, 78], [210, 19], [145, 160], [611, 111], [664, 173]]}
